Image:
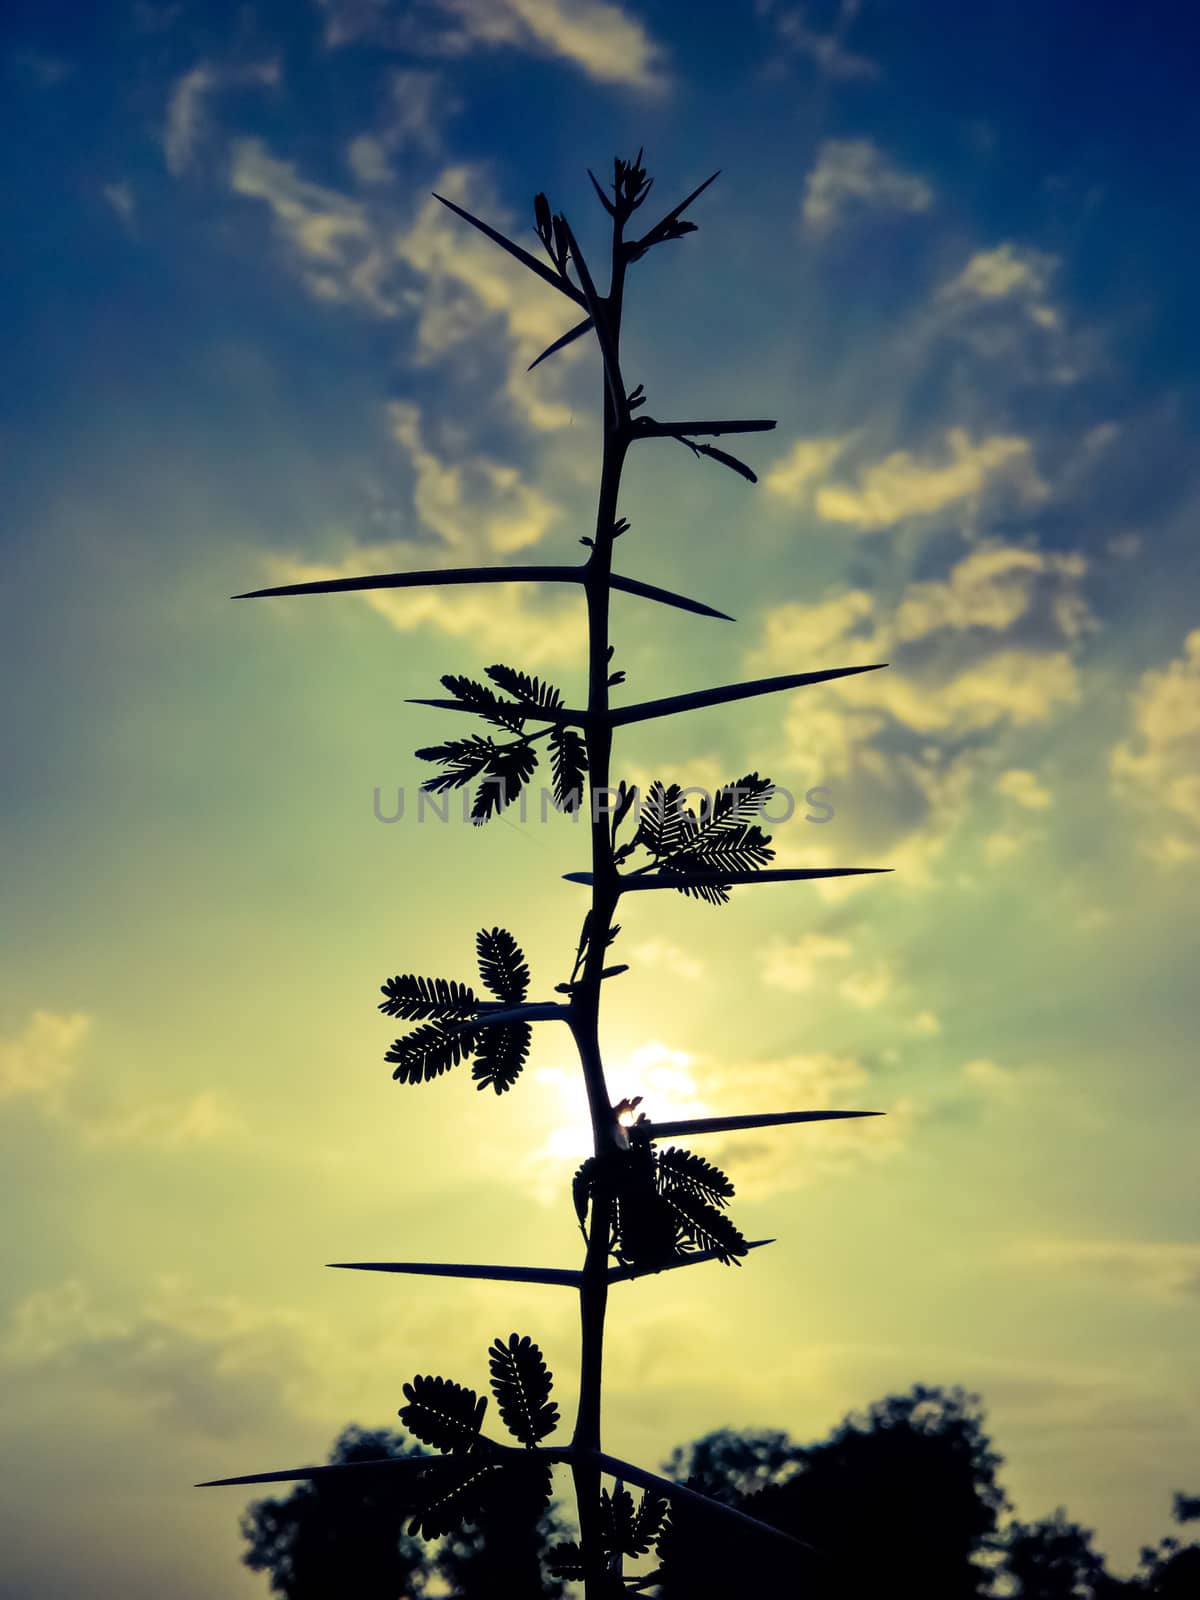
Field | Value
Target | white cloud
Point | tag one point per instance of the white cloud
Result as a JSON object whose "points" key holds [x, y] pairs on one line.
{"points": [[1163, 1270], [992, 1081], [987, 649], [41, 1066], [333, 243], [854, 176], [793, 478], [925, 1025], [1025, 788], [1000, 306], [797, 966], [478, 502], [167, 1125], [1156, 768], [40, 1062], [665, 956], [905, 485], [419, 102], [1004, 273], [463, 290], [121, 198], [869, 988], [478, 509], [210, 1366], [829, 51], [597, 37], [187, 105]]}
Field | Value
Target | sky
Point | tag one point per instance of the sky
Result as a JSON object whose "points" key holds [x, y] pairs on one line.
{"points": [[949, 251]]}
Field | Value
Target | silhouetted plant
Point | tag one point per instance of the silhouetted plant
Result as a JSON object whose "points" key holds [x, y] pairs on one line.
{"points": [[641, 1209]]}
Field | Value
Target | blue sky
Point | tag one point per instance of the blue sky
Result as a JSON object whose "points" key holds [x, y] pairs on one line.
{"points": [[950, 252]]}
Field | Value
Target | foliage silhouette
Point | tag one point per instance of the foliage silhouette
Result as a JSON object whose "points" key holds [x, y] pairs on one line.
{"points": [[880, 1471], [649, 1209], [916, 1470]]}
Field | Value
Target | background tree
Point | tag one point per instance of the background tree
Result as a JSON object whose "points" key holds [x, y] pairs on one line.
{"points": [[346, 1535], [337, 1525], [902, 1498], [1172, 1571]]}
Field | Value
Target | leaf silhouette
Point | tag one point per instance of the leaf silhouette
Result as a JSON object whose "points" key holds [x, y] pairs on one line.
{"points": [[702, 1227], [500, 1054], [568, 763], [683, 1169], [464, 759], [502, 966], [429, 1051], [443, 1414], [581, 1188], [663, 823], [477, 697], [531, 692], [616, 1520], [521, 1383], [457, 1490], [565, 1560], [509, 770], [416, 998], [648, 1523]]}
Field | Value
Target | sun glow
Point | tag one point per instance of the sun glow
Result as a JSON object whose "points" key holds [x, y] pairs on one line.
{"points": [[660, 1079]]}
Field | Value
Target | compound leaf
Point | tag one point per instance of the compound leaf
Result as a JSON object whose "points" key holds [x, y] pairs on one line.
{"points": [[415, 998], [521, 1383], [502, 966], [443, 1414], [500, 1054]]}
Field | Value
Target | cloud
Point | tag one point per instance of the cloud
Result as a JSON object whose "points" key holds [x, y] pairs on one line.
{"points": [[599, 38], [664, 956], [1005, 273], [40, 1066], [854, 177], [478, 502], [1156, 768], [39, 1063], [462, 290], [211, 1366], [990, 1080], [471, 509], [1160, 1270], [678, 1083], [1000, 306], [869, 988], [121, 198], [985, 650], [905, 485], [419, 102], [925, 1025], [187, 106], [797, 966], [793, 478], [827, 51], [169, 1125], [1024, 788], [333, 244], [46, 71]]}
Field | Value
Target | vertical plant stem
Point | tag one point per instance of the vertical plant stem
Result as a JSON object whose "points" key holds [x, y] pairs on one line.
{"points": [[593, 1296]]}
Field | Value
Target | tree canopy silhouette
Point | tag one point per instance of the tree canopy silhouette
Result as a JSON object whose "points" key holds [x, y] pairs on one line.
{"points": [[905, 1494]]}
